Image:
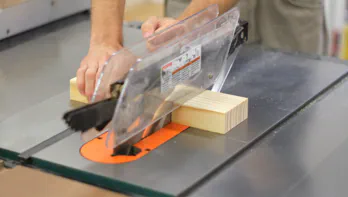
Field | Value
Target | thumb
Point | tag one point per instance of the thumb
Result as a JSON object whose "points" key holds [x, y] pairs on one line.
{"points": [[149, 26]]}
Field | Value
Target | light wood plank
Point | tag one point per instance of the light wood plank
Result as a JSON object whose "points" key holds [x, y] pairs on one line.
{"points": [[212, 111], [75, 94], [209, 111]]}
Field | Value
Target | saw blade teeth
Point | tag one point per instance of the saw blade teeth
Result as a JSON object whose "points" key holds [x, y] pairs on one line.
{"points": [[89, 116]]}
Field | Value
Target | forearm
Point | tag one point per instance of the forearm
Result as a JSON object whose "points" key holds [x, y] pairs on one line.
{"points": [[198, 5], [107, 22]]}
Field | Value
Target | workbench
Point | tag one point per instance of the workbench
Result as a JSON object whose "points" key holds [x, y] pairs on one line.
{"points": [[292, 144]]}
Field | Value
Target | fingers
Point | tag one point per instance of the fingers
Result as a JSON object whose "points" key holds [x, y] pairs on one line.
{"points": [[91, 67], [164, 23], [121, 65], [100, 94], [90, 81], [85, 79], [155, 25], [80, 79], [149, 27], [164, 37]]}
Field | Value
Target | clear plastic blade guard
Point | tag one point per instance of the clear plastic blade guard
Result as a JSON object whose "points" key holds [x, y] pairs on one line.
{"points": [[165, 71]]}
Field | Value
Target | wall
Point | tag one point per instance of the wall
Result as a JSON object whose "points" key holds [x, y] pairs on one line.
{"points": [[140, 10], [10, 3]]}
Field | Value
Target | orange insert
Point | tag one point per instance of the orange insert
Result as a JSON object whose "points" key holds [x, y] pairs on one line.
{"points": [[95, 150]]}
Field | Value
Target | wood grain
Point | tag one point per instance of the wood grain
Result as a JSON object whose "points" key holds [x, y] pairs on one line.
{"points": [[75, 94], [212, 111]]}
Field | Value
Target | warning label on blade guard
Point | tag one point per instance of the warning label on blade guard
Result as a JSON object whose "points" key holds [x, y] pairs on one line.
{"points": [[181, 68]]}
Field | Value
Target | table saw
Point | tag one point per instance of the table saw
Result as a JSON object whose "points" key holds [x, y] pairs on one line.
{"points": [[292, 144]]}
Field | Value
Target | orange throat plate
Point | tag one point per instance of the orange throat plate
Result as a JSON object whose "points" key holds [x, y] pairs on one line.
{"points": [[96, 151]]}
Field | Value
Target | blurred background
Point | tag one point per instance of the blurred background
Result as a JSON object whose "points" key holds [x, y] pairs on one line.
{"points": [[17, 16]]}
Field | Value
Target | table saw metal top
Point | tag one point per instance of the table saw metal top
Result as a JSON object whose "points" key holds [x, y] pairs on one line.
{"points": [[296, 103], [34, 84]]}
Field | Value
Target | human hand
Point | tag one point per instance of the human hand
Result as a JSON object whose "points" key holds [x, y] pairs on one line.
{"points": [[116, 69], [91, 66], [156, 25]]}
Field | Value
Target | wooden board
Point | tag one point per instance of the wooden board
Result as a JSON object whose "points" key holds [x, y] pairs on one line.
{"points": [[209, 111], [212, 111], [27, 182], [75, 94]]}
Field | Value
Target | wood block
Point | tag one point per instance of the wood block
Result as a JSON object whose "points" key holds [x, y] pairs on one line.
{"points": [[75, 94], [212, 111], [27, 182]]}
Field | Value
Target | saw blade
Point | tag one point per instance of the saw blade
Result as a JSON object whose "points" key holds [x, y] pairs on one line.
{"points": [[96, 115], [93, 115]]}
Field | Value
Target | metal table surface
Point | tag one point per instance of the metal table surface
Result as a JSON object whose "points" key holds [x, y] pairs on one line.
{"points": [[277, 85], [304, 157], [35, 69]]}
